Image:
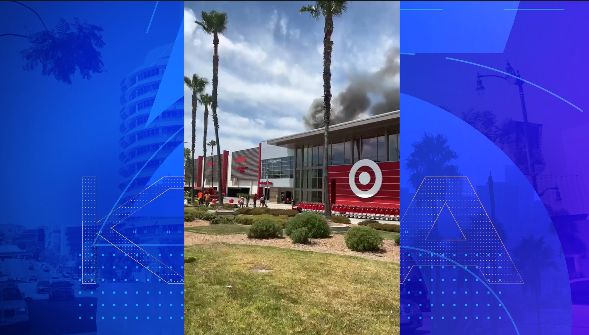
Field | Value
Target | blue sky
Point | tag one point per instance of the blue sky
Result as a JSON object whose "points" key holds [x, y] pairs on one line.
{"points": [[271, 62]]}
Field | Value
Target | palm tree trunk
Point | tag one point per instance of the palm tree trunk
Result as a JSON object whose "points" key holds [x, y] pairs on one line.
{"points": [[327, 47], [215, 116], [204, 144], [193, 145]]}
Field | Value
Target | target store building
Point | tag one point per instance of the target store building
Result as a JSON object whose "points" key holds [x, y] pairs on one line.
{"points": [[363, 172]]}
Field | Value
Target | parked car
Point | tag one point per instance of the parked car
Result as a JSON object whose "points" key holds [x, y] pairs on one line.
{"points": [[61, 290], [43, 287], [14, 313]]}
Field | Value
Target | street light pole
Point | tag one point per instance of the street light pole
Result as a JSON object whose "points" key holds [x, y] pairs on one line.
{"points": [[519, 83]]}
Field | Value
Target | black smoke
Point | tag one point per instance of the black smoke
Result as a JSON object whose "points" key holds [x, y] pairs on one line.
{"points": [[355, 101]]}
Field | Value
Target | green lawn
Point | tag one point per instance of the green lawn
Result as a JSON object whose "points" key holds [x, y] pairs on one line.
{"points": [[305, 293], [220, 229]]}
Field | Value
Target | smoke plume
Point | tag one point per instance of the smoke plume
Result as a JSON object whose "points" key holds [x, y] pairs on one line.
{"points": [[355, 102]]}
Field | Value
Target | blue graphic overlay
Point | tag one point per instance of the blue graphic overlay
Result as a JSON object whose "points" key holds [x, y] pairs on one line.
{"points": [[89, 230], [478, 245], [93, 101], [506, 275]]}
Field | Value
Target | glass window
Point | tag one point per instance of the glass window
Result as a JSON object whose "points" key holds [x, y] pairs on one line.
{"points": [[369, 148], [319, 155], [348, 152], [394, 152], [338, 153], [381, 149], [356, 150]]}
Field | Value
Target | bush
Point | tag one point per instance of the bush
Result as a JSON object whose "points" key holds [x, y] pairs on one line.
{"points": [[315, 224], [300, 235], [264, 229], [363, 239], [264, 210], [340, 219], [229, 206], [244, 220], [223, 219], [189, 215], [395, 228], [190, 259], [201, 215], [398, 240], [278, 211]]}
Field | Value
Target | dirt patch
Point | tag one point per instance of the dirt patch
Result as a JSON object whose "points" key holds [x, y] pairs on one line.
{"points": [[196, 223], [333, 245]]}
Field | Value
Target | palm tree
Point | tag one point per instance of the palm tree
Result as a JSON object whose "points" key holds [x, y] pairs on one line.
{"points": [[205, 100], [431, 156], [327, 9], [212, 144], [215, 23], [197, 86]]}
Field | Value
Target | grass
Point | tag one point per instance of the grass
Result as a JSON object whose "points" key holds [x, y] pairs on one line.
{"points": [[220, 229], [304, 293]]}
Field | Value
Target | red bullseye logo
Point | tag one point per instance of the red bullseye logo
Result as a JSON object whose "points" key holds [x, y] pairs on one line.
{"points": [[364, 178]]}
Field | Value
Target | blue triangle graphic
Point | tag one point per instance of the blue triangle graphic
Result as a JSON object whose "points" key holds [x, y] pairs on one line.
{"points": [[172, 85], [445, 227]]}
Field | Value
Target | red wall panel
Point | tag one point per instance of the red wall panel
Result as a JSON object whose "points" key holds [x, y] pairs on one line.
{"points": [[387, 196]]}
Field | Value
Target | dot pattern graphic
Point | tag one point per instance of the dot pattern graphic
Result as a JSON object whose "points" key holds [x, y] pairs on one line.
{"points": [[481, 248]]}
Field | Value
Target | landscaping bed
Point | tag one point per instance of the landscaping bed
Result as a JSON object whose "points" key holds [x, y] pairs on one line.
{"points": [[333, 245]]}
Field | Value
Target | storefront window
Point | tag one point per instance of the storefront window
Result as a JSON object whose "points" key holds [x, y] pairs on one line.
{"points": [[348, 152], [338, 153], [369, 149], [394, 148], [381, 149]]}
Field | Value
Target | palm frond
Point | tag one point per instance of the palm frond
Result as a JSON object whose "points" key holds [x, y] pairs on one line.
{"points": [[313, 10], [213, 22], [188, 82]]}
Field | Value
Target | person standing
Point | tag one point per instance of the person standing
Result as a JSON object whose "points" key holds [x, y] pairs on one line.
{"points": [[263, 201], [207, 199], [255, 199]]}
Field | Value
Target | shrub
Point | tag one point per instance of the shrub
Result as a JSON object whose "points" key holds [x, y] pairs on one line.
{"points": [[202, 215], [278, 211], [363, 239], [244, 220], [258, 211], [395, 228], [300, 235], [264, 229], [190, 259], [229, 206], [340, 219], [267, 217], [367, 222], [189, 215], [315, 223], [264, 210], [223, 219], [244, 210], [398, 240]]}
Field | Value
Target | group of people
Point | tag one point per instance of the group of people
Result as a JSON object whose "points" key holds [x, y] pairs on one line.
{"points": [[241, 202], [203, 198]]}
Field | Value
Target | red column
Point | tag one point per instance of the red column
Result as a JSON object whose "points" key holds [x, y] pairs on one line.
{"points": [[199, 165], [259, 168], [225, 170]]}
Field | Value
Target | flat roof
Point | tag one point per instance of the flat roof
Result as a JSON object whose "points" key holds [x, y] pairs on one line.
{"points": [[374, 124]]}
